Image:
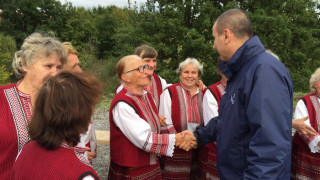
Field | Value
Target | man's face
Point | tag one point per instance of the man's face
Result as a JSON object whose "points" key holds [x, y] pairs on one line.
{"points": [[219, 43], [73, 63]]}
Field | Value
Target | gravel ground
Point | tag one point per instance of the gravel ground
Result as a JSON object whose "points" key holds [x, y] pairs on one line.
{"points": [[101, 162]]}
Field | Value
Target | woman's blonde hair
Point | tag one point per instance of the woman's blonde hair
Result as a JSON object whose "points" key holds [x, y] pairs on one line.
{"points": [[315, 77], [34, 46]]}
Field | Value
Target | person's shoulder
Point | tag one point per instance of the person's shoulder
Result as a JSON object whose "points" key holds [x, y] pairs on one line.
{"points": [[270, 62], [159, 77], [214, 85], [2, 95], [173, 86], [8, 86], [307, 96]]}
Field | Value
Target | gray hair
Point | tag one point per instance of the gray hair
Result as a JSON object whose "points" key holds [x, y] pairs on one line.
{"points": [[315, 77], [272, 53], [192, 61], [34, 46], [123, 63]]}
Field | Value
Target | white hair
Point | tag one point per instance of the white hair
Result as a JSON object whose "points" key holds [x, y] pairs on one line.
{"points": [[192, 61]]}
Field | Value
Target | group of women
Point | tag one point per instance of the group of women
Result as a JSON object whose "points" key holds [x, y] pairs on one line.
{"points": [[43, 115], [147, 116]]}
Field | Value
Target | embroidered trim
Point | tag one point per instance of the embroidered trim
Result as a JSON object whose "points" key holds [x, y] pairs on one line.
{"points": [[19, 116], [315, 103], [221, 88], [154, 91], [190, 107], [79, 151], [151, 117]]}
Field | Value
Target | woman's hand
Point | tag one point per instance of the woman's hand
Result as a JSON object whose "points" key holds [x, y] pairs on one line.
{"points": [[302, 127]]}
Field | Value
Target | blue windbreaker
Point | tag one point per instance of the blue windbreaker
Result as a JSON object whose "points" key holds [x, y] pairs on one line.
{"points": [[253, 129]]}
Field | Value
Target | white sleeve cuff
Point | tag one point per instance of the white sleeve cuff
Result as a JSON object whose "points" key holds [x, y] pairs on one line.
{"points": [[172, 142], [314, 145]]}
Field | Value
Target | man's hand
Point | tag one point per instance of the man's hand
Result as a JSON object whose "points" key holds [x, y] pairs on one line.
{"points": [[300, 126], [186, 140]]}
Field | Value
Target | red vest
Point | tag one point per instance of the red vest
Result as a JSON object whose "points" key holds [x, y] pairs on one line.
{"points": [[158, 88], [313, 121], [122, 151], [10, 127], [175, 108], [217, 95], [35, 162], [304, 163], [215, 91], [186, 160]]}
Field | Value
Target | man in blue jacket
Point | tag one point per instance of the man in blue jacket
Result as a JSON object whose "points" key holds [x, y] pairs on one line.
{"points": [[253, 129]]}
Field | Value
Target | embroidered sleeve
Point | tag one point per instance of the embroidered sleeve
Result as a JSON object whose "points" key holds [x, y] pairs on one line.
{"points": [[312, 141], [138, 131], [161, 144]]}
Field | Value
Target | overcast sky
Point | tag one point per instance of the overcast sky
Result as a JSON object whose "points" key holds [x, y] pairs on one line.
{"points": [[95, 3]]}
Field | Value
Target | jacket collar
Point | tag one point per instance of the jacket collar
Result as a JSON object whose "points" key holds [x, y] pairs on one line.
{"points": [[244, 54]]}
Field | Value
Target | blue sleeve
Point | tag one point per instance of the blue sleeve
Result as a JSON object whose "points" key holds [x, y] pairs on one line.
{"points": [[207, 134], [269, 112]]}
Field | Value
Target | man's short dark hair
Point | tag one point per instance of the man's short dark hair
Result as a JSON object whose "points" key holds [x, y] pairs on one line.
{"points": [[237, 21]]}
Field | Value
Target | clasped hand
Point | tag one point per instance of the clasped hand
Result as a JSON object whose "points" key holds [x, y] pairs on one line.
{"points": [[186, 140]]}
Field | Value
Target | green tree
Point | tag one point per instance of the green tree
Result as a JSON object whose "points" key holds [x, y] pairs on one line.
{"points": [[7, 50], [23, 17]]}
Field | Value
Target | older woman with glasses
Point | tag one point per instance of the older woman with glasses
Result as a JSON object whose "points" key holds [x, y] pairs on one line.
{"points": [[181, 104], [135, 139]]}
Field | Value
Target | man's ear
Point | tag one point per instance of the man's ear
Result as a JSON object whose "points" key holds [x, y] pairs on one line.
{"points": [[227, 35]]}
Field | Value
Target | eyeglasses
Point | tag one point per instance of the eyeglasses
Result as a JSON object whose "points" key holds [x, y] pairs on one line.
{"points": [[140, 69]]}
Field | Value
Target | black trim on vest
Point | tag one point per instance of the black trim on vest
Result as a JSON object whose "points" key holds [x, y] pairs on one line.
{"points": [[305, 103], [170, 93], [86, 174]]}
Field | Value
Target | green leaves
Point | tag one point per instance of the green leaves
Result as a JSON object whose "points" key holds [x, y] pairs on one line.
{"points": [[177, 29], [7, 50]]}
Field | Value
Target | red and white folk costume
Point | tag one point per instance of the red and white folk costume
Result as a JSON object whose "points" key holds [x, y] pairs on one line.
{"points": [[305, 151], [65, 162], [89, 140], [15, 113], [208, 153], [182, 112], [135, 139]]}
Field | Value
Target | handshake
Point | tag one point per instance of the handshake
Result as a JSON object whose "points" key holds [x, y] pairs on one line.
{"points": [[186, 140]]}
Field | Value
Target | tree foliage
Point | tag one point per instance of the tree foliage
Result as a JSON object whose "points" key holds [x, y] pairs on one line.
{"points": [[176, 28], [7, 49]]}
